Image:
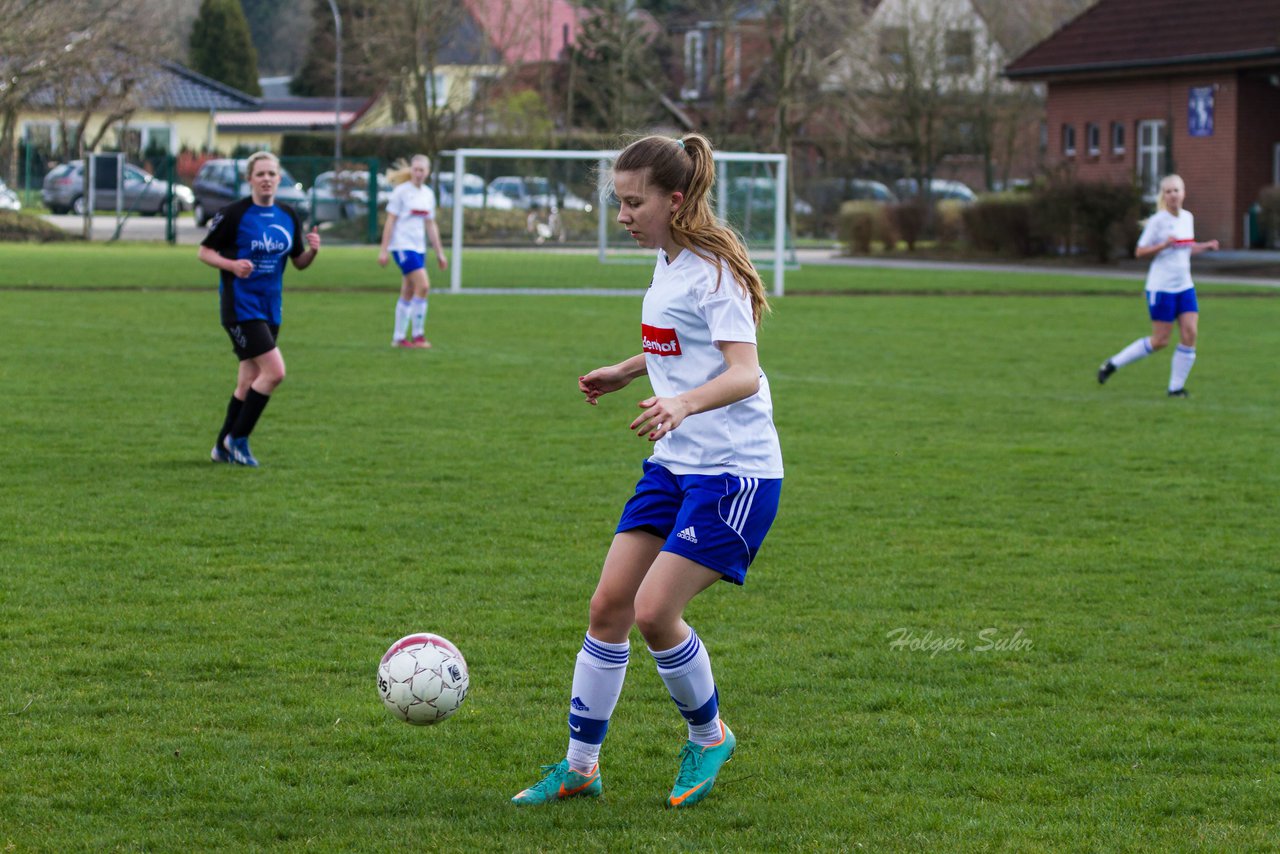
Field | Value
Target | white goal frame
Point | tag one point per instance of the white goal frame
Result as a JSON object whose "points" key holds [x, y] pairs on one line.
{"points": [[603, 159]]}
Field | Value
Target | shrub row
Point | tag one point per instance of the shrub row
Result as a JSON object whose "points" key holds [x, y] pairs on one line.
{"points": [[1097, 219]]}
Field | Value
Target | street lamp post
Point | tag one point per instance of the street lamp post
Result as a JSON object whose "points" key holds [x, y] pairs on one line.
{"points": [[337, 86]]}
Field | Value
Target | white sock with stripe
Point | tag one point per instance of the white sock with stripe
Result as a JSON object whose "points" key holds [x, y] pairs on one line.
{"points": [[686, 671], [597, 683], [402, 320], [1183, 358], [418, 311], [1139, 349]]}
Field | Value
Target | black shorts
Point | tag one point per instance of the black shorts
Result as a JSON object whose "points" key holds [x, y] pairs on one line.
{"points": [[252, 338]]}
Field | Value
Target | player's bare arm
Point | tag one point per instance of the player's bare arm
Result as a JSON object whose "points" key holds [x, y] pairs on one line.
{"points": [[611, 378]]}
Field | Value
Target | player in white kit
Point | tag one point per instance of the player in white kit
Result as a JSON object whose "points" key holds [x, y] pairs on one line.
{"points": [[1169, 240], [411, 218], [709, 492]]}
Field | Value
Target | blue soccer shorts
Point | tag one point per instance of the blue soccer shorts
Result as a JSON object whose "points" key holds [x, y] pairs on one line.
{"points": [[409, 261], [1166, 307], [718, 521]]}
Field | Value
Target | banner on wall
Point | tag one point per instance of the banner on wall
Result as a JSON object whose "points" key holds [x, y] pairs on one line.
{"points": [[1200, 111]]}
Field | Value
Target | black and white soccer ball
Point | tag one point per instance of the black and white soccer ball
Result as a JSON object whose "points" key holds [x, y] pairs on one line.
{"points": [[423, 679]]}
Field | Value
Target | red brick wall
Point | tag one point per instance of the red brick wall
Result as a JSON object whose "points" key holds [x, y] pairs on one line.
{"points": [[1223, 172]]}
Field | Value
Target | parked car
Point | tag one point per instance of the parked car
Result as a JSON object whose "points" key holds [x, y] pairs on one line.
{"points": [[474, 192], [939, 189], [526, 193], [344, 195], [8, 199], [63, 190], [222, 181]]}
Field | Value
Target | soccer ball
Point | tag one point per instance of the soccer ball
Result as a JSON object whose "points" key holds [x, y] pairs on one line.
{"points": [[422, 679]]}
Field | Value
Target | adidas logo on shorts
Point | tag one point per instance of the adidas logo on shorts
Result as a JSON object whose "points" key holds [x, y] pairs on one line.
{"points": [[688, 534]]}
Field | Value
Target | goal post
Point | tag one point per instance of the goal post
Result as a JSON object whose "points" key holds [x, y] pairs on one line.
{"points": [[753, 203]]}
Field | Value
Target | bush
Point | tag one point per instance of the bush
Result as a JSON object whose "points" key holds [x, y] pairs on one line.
{"points": [[857, 226], [1006, 224], [948, 221], [908, 220], [1095, 217], [17, 227]]}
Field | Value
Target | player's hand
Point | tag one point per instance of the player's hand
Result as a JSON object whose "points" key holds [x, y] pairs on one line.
{"points": [[443, 261], [313, 238], [242, 268], [1212, 246], [601, 381], [382, 258], [661, 415]]}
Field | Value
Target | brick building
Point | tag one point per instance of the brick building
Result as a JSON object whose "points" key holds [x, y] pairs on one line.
{"points": [[1140, 88]]}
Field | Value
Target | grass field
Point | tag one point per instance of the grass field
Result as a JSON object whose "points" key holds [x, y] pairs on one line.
{"points": [[187, 651]]}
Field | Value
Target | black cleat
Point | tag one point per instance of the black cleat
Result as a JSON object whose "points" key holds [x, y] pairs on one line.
{"points": [[1178, 392], [1105, 372]]}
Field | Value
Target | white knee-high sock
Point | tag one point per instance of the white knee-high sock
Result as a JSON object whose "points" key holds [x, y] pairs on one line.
{"points": [[402, 320], [597, 682], [418, 311], [1183, 358], [686, 671], [1139, 349]]}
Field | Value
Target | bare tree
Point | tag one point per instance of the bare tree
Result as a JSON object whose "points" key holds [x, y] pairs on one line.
{"points": [[78, 58]]}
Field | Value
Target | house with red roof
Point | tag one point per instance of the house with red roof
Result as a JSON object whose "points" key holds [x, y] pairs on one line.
{"points": [[487, 41], [1141, 88]]}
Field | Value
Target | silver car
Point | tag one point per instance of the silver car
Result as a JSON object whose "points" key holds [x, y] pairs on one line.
{"points": [[63, 190], [8, 199]]}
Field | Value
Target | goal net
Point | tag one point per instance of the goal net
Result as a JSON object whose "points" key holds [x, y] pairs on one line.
{"points": [[561, 204]]}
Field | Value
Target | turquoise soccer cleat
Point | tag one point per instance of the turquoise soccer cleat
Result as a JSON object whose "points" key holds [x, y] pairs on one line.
{"points": [[561, 782], [699, 766]]}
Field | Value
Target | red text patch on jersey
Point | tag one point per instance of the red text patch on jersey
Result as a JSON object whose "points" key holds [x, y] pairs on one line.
{"points": [[423, 212], [659, 341]]}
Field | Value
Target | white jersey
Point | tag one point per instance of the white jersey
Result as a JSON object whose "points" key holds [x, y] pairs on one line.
{"points": [[684, 314], [412, 206], [1170, 270]]}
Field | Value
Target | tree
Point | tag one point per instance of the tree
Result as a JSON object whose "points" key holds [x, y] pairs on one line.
{"points": [[613, 66], [281, 31], [222, 48], [363, 66], [78, 58]]}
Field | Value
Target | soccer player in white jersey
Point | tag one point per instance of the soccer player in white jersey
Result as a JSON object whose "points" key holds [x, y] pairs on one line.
{"points": [[709, 492], [1168, 239], [411, 218]]}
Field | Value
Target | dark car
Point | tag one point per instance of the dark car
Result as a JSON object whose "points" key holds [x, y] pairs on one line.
{"points": [[221, 182], [63, 190]]}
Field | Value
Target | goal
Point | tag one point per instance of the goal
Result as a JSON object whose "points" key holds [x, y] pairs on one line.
{"points": [[544, 190]]}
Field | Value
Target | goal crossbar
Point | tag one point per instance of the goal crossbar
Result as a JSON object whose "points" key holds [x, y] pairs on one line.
{"points": [[603, 158]]}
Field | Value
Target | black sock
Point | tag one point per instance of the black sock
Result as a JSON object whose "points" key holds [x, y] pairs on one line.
{"points": [[233, 410], [250, 411]]}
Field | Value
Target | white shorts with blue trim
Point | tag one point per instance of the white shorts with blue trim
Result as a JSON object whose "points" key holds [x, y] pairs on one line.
{"points": [[718, 521]]}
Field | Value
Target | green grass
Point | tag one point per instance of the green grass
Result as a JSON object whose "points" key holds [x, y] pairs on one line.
{"points": [[188, 651], [162, 267]]}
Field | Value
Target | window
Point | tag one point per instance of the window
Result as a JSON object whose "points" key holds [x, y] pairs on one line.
{"points": [[893, 45], [694, 64], [959, 47], [437, 90], [1093, 138], [1069, 140], [1151, 157], [1117, 138]]}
